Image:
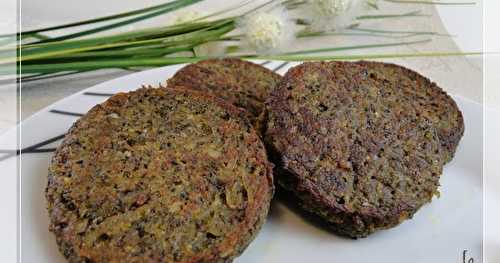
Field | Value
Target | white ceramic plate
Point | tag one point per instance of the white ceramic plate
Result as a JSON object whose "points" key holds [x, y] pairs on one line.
{"points": [[439, 232]]}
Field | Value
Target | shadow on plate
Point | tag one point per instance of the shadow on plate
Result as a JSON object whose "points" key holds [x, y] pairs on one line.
{"points": [[290, 201]]}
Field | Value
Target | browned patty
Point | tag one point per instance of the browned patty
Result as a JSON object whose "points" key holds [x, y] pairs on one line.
{"points": [[432, 102], [159, 175], [354, 147], [242, 83]]}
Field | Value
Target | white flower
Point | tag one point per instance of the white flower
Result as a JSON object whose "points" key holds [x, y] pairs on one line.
{"points": [[327, 15], [330, 7], [268, 31]]}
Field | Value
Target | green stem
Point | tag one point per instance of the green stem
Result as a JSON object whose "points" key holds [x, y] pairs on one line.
{"points": [[134, 35], [175, 5], [39, 36], [172, 41], [373, 5], [49, 76], [100, 19], [356, 47], [34, 37], [258, 7], [305, 34], [294, 5], [302, 22], [93, 65], [230, 38], [409, 14], [152, 62], [368, 56], [396, 32], [229, 9], [122, 53]]}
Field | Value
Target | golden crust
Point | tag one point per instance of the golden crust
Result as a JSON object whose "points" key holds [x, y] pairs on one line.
{"points": [[159, 175]]}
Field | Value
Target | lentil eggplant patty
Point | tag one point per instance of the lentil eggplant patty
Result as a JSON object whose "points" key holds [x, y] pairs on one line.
{"points": [[432, 102], [159, 175], [354, 149], [242, 83]]}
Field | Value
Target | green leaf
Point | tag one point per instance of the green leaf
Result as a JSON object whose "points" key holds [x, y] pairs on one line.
{"points": [[125, 53], [38, 36], [134, 35], [155, 62], [189, 38], [94, 65], [174, 6], [131, 62]]}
